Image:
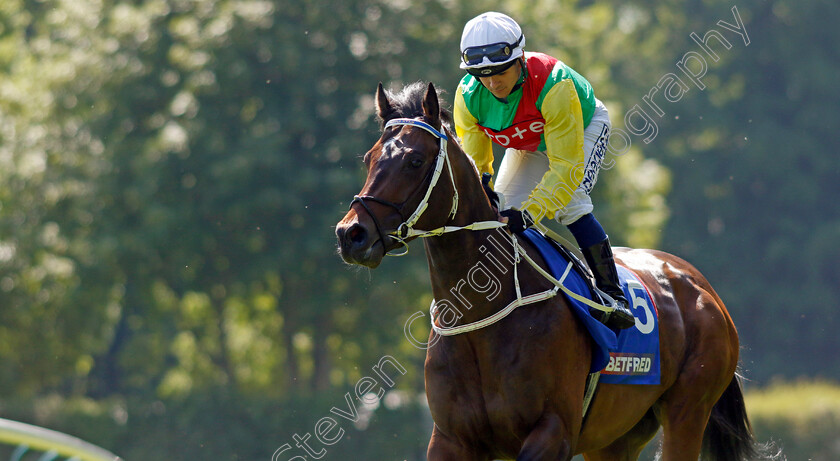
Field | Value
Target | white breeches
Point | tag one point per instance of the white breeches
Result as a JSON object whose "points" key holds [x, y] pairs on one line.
{"points": [[521, 171]]}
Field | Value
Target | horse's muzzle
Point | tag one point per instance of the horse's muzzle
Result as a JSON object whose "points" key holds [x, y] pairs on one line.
{"points": [[357, 245]]}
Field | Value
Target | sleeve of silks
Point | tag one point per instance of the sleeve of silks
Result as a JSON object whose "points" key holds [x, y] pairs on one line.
{"points": [[564, 147], [474, 141]]}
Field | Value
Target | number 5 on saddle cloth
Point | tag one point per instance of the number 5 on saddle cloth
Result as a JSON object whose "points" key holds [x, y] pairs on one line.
{"points": [[629, 356]]}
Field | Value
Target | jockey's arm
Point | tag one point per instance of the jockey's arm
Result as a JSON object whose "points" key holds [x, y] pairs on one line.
{"points": [[473, 140], [564, 147]]}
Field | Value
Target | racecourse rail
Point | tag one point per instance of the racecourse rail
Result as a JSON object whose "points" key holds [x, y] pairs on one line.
{"points": [[54, 444]]}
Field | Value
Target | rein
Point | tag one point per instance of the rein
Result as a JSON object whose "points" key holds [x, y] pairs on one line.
{"points": [[406, 231], [519, 254]]}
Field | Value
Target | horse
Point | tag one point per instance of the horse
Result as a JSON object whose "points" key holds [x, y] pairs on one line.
{"points": [[514, 389]]}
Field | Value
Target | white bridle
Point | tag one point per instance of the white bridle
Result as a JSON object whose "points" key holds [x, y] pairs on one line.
{"points": [[406, 230], [441, 159]]}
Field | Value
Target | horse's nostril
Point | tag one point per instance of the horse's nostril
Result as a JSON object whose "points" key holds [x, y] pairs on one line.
{"points": [[357, 234]]}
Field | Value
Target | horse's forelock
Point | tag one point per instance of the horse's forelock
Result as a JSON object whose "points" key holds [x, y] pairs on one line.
{"points": [[408, 103]]}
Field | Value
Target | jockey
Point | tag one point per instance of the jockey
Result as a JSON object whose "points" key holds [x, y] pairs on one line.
{"points": [[555, 133]]}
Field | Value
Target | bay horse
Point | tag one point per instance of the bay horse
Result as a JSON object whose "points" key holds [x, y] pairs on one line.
{"points": [[514, 389]]}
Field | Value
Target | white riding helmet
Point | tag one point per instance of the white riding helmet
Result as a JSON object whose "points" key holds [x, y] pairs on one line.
{"points": [[490, 40]]}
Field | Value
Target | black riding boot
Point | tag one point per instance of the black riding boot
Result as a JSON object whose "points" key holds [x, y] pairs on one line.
{"points": [[600, 259]]}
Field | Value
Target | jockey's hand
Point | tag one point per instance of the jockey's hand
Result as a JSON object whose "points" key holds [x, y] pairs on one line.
{"points": [[517, 220], [491, 194]]}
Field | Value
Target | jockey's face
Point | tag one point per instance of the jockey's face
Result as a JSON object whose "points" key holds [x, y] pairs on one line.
{"points": [[502, 84]]}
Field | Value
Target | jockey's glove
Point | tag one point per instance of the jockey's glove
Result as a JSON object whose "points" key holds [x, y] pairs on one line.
{"points": [[491, 194], [518, 220]]}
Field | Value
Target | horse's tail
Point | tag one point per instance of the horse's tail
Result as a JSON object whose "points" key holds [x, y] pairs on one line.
{"points": [[729, 435]]}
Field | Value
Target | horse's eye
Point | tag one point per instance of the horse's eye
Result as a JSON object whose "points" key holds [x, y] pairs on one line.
{"points": [[416, 162]]}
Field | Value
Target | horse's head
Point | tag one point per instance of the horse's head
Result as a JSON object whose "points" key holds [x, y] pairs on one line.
{"points": [[402, 187]]}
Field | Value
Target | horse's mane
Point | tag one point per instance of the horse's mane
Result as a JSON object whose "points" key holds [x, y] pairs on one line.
{"points": [[408, 103]]}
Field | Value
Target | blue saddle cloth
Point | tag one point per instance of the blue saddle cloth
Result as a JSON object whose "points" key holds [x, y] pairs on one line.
{"points": [[629, 356]]}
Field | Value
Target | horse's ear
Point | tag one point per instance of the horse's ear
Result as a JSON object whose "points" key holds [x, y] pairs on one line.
{"points": [[431, 106], [383, 105]]}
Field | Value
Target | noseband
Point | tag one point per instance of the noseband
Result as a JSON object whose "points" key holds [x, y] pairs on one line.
{"points": [[406, 229]]}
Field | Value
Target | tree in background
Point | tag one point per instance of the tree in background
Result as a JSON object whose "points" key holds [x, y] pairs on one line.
{"points": [[752, 159]]}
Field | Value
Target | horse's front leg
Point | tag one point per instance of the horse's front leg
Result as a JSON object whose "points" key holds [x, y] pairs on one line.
{"points": [[444, 448], [550, 440]]}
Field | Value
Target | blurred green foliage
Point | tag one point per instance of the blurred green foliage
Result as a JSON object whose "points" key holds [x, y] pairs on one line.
{"points": [[171, 172], [803, 418]]}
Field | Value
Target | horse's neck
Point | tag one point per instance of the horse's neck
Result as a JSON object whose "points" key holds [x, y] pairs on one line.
{"points": [[472, 271]]}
